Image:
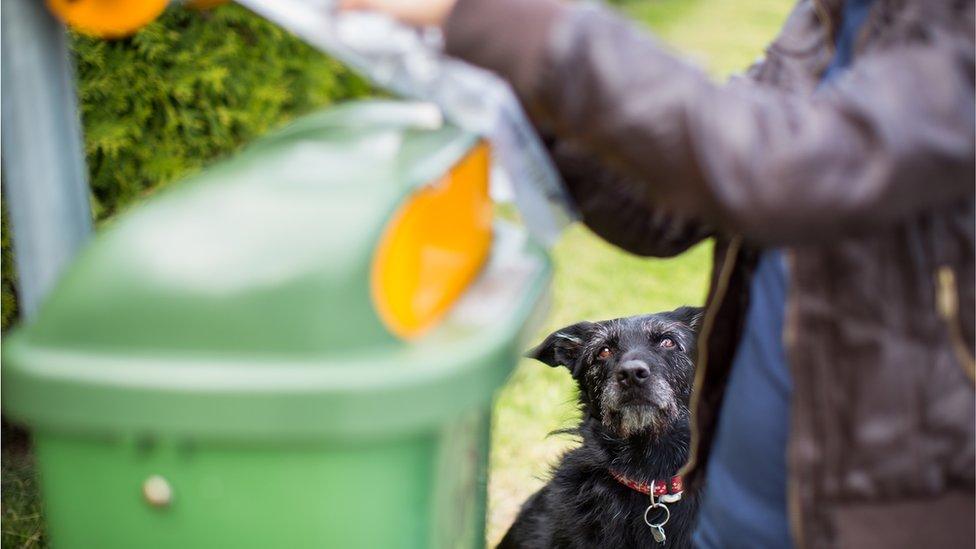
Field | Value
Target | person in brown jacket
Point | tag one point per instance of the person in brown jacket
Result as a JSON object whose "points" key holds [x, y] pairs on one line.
{"points": [[837, 180]]}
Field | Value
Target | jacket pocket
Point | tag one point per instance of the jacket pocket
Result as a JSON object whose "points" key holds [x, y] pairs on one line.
{"points": [[947, 303]]}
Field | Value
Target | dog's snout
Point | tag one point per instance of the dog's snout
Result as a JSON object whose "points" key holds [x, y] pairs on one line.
{"points": [[633, 372]]}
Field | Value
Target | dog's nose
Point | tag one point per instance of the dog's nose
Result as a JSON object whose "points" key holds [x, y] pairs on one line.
{"points": [[633, 372]]}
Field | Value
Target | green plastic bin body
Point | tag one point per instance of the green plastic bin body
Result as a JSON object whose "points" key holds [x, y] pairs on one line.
{"points": [[220, 341]]}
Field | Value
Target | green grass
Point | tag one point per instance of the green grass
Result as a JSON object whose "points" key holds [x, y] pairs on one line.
{"points": [[593, 281], [21, 522]]}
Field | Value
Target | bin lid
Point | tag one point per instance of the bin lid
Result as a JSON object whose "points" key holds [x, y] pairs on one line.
{"points": [[237, 304]]}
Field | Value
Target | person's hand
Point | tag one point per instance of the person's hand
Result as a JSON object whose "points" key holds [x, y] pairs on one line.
{"points": [[419, 13]]}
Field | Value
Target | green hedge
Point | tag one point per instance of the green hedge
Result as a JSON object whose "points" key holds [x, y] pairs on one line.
{"points": [[188, 88]]}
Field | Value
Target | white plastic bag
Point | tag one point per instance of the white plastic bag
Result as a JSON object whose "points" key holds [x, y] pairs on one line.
{"points": [[410, 62]]}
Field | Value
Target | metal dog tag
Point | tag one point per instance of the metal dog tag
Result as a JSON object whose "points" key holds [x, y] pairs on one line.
{"points": [[657, 528], [658, 533]]}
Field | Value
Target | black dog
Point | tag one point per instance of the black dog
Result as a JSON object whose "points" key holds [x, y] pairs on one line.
{"points": [[635, 376]]}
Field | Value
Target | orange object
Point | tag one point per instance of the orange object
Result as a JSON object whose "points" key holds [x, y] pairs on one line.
{"points": [[107, 18], [433, 247]]}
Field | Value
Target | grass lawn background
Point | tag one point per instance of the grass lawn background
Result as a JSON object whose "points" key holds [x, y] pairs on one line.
{"points": [[593, 281]]}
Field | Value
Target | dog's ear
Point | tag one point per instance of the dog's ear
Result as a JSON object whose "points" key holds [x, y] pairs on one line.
{"points": [[562, 347], [692, 316]]}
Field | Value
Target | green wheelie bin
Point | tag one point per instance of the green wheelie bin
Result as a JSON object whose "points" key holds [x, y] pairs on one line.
{"points": [[297, 347]]}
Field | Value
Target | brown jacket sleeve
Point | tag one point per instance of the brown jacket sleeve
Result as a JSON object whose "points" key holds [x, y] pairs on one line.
{"points": [[614, 207], [891, 137]]}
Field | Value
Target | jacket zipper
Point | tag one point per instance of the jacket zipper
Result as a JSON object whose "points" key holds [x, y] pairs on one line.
{"points": [[947, 304], [728, 262], [793, 503]]}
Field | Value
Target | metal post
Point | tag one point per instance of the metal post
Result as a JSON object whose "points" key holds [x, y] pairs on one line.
{"points": [[44, 177]]}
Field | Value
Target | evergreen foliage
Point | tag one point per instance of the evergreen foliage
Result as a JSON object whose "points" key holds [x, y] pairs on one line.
{"points": [[188, 88]]}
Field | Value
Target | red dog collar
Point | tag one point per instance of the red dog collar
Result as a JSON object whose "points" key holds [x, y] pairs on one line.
{"points": [[672, 486]]}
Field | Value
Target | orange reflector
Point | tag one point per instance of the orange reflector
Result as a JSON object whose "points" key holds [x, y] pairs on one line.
{"points": [[107, 18], [433, 248]]}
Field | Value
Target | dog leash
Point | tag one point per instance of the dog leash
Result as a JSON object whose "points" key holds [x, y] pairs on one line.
{"points": [[661, 492]]}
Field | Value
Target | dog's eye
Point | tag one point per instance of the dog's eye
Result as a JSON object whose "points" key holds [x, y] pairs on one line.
{"points": [[604, 353], [666, 343]]}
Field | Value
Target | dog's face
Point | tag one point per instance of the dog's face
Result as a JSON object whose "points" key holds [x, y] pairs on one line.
{"points": [[634, 374]]}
